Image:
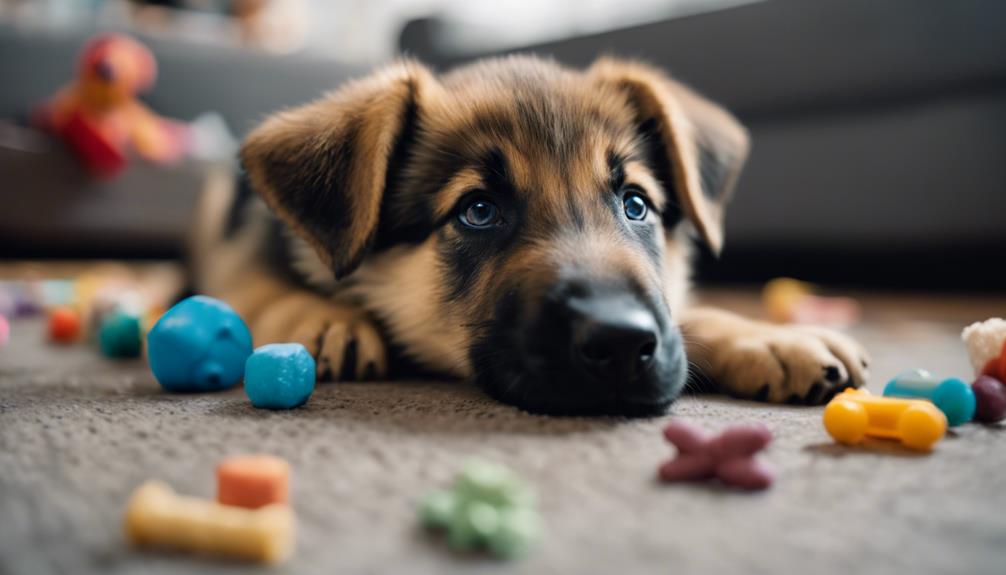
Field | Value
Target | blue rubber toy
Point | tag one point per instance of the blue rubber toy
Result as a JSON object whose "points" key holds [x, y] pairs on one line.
{"points": [[200, 344], [952, 396], [120, 335], [279, 376]]}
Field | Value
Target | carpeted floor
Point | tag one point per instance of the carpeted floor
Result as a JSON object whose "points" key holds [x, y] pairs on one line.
{"points": [[78, 433]]}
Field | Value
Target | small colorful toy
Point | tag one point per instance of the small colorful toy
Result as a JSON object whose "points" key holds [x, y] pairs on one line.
{"points": [[99, 114], [986, 342], [253, 481], [728, 457], [120, 336], [954, 397], [64, 325], [22, 298], [157, 516], [856, 413], [489, 507], [7, 305], [990, 397], [279, 376], [200, 344], [4, 330], [787, 300]]}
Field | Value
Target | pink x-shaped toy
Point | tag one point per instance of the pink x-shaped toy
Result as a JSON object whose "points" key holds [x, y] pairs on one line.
{"points": [[729, 457]]}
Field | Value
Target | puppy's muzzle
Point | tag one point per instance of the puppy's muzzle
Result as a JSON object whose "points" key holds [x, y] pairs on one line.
{"points": [[583, 348]]}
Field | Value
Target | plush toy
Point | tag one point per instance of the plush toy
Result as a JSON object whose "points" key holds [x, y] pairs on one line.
{"points": [[986, 342], [98, 114]]}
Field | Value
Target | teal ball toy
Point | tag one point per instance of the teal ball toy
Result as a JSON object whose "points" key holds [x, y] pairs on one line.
{"points": [[279, 376], [952, 396], [121, 336]]}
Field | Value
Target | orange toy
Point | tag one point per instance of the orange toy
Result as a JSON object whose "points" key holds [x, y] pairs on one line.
{"points": [[253, 481], [855, 414], [64, 325], [98, 114]]}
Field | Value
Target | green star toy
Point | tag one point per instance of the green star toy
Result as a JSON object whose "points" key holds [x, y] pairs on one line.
{"points": [[489, 507]]}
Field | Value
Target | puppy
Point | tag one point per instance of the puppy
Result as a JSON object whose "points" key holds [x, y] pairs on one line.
{"points": [[514, 222]]}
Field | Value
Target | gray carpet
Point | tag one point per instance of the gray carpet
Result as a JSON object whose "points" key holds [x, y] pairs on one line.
{"points": [[78, 433]]}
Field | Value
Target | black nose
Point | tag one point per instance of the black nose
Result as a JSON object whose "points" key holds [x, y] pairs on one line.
{"points": [[614, 338]]}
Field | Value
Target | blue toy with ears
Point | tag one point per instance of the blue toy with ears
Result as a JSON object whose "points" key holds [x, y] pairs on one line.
{"points": [[200, 344]]}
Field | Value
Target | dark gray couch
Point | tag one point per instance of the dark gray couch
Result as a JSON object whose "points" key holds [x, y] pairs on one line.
{"points": [[52, 208]]}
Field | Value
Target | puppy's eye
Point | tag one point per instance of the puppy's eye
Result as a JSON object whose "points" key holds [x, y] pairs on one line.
{"points": [[479, 213], [635, 206]]}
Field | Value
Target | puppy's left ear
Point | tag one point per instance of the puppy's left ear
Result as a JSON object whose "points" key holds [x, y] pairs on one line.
{"points": [[324, 167], [705, 145]]}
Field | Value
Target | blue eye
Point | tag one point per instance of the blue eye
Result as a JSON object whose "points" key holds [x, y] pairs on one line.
{"points": [[480, 214], [634, 206]]}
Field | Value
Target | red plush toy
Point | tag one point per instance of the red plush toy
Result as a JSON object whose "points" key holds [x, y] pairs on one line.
{"points": [[99, 115]]}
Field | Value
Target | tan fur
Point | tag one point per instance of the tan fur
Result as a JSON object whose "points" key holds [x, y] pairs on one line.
{"points": [[687, 121], [341, 147]]}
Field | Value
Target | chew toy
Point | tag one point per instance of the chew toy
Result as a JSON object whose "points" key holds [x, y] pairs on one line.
{"points": [[729, 457], [200, 344], [488, 507], [156, 516], [253, 481], [986, 342], [279, 376], [855, 414], [120, 335], [64, 325], [787, 300], [990, 396], [4, 331], [954, 397]]}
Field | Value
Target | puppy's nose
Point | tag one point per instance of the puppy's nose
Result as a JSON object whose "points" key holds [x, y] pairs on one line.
{"points": [[614, 338]]}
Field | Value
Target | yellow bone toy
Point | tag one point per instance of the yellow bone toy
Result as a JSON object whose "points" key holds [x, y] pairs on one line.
{"points": [[855, 414], [156, 515]]}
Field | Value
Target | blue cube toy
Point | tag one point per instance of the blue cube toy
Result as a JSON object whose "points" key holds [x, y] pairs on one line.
{"points": [[952, 396], [200, 344], [120, 335], [279, 376]]}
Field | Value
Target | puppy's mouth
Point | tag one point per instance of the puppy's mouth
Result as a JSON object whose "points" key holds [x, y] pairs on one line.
{"points": [[603, 356]]}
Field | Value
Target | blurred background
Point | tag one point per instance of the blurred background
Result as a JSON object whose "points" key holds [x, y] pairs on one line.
{"points": [[879, 127]]}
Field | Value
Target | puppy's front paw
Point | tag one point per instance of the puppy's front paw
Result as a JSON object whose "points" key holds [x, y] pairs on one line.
{"points": [[346, 344], [793, 364], [351, 351]]}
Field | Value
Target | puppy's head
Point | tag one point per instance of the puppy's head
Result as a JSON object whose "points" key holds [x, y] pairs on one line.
{"points": [[513, 220]]}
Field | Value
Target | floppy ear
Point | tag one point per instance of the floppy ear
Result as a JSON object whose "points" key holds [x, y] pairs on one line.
{"points": [[323, 167], [705, 146]]}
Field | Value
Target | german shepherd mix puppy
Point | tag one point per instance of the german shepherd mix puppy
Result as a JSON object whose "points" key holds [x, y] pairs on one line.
{"points": [[514, 222]]}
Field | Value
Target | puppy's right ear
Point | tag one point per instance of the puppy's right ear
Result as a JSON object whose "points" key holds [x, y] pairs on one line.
{"points": [[323, 167]]}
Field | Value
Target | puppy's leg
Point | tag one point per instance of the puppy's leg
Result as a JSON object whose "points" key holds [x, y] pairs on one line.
{"points": [[768, 362], [343, 339]]}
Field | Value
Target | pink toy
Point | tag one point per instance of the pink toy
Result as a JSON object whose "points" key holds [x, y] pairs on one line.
{"points": [[728, 457], [4, 331]]}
